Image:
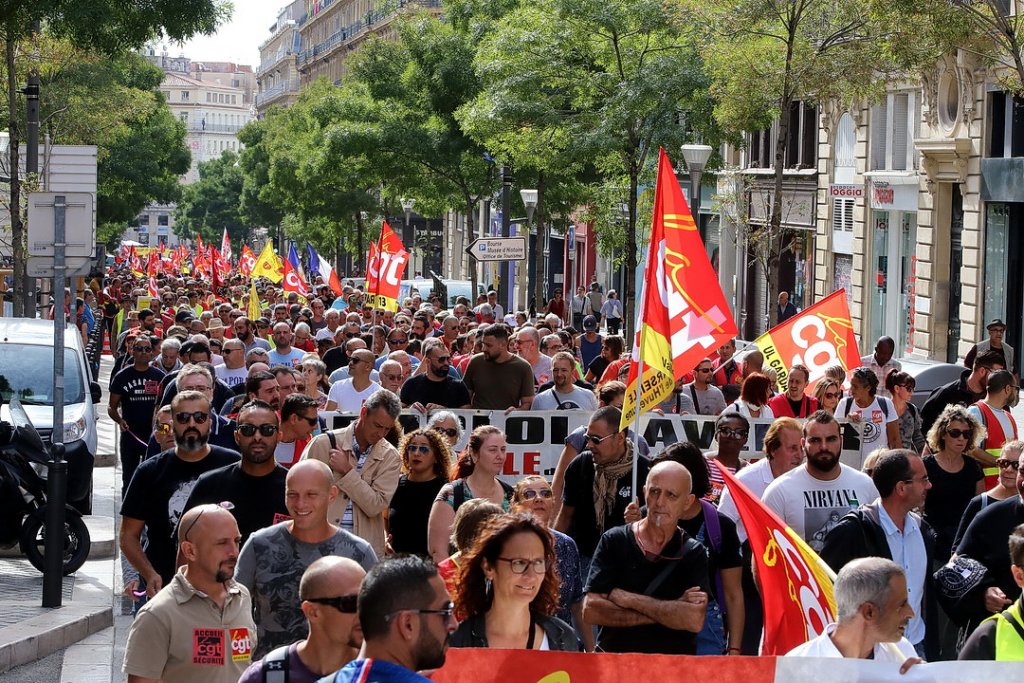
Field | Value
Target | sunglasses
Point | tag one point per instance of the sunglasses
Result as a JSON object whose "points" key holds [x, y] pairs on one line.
{"points": [[264, 429], [418, 448], [734, 433], [312, 421], [1008, 464], [450, 432], [530, 494], [198, 417], [346, 604], [144, 349], [596, 440], [959, 433], [832, 394], [226, 505], [163, 428], [398, 341], [519, 566]]}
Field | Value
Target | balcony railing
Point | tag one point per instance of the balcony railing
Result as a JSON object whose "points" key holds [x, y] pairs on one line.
{"points": [[359, 27], [291, 85], [200, 127]]}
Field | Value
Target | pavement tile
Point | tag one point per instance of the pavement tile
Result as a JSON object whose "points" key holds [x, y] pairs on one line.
{"points": [[85, 673]]}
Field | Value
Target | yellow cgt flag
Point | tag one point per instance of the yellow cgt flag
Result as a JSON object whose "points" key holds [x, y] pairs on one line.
{"points": [[253, 311], [268, 265]]}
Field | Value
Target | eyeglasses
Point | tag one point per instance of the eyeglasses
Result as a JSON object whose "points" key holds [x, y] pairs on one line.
{"points": [[398, 341], [447, 611], [312, 421], [264, 429], [225, 504], [924, 480], [1004, 464], [832, 394], [519, 566], [734, 433], [229, 350], [350, 335], [199, 417], [530, 494], [450, 432], [163, 428], [346, 604], [200, 388], [959, 433], [354, 361], [144, 349], [597, 440], [418, 448], [391, 378], [702, 370]]}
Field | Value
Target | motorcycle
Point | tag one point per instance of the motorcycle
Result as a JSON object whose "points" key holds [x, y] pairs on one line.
{"points": [[24, 459]]}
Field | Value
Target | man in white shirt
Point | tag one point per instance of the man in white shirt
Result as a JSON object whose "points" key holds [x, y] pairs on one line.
{"points": [[881, 362], [565, 395], [873, 613], [348, 395], [232, 371], [813, 498], [284, 353], [529, 350]]}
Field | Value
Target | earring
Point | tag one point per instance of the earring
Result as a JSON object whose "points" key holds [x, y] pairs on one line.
{"points": [[487, 586]]}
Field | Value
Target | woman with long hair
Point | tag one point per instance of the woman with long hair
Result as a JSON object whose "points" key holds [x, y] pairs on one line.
{"points": [[314, 371], [754, 394], [900, 386], [425, 464], [507, 591], [474, 475], [828, 392]]}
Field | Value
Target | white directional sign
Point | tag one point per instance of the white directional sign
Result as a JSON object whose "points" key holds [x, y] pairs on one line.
{"points": [[498, 249]]}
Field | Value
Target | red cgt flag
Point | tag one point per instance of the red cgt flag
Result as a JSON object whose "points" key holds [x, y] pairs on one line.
{"points": [[796, 585], [247, 261], [293, 280], [385, 272]]}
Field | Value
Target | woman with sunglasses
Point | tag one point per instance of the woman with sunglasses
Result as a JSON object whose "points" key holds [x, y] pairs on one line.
{"points": [[828, 392], [445, 422], [534, 496], [1006, 487], [900, 386], [426, 459], [955, 477], [474, 475], [507, 590]]}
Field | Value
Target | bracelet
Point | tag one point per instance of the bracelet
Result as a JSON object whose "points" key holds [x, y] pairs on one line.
{"points": [[733, 649]]}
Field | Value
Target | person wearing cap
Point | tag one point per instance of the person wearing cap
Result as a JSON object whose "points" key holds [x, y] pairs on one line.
{"points": [[996, 331], [590, 341]]}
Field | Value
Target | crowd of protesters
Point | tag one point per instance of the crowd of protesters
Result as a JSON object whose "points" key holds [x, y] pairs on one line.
{"points": [[333, 550]]}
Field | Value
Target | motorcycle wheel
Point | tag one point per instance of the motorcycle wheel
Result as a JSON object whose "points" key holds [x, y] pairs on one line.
{"points": [[76, 540]]}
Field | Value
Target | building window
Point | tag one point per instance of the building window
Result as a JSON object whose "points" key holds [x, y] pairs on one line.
{"points": [[143, 219], [842, 215], [184, 95], [1006, 125], [162, 220], [802, 144], [184, 117], [894, 125]]}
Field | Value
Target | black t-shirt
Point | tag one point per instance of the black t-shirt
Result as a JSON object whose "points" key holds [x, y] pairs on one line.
{"points": [[598, 366], [258, 501], [954, 393], [408, 513], [985, 541], [450, 393], [139, 391], [157, 495], [334, 358], [619, 563], [728, 555], [578, 493], [948, 498]]}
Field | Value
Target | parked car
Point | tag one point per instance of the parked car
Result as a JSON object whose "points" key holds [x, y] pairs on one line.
{"points": [[455, 289], [26, 372]]}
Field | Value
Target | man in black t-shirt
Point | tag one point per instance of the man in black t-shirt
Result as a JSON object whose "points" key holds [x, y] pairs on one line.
{"points": [[603, 473], [156, 497], [133, 396], [434, 389], [254, 485], [647, 588]]}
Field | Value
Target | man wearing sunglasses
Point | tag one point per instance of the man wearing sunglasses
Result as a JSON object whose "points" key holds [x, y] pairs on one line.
{"points": [[134, 393], [328, 592], [156, 497], [435, 389], [298, 420], [255, 484]]}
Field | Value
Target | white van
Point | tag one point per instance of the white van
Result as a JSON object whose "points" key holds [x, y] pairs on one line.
{"points": [[26, 371]]}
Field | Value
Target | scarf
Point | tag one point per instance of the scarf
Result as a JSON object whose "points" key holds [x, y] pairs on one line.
{"points": [[606, 478]]}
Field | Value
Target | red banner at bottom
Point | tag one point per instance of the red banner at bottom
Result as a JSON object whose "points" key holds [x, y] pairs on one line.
{"points": [[513, 666]]}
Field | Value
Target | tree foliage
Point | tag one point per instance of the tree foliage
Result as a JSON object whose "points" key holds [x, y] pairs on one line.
{"points": [[212, 204]]}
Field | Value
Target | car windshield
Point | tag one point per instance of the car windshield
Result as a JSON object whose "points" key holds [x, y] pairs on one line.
{"points": [[26, 371]]}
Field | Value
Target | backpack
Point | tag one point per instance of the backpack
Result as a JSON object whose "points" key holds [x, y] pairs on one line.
{"points": [[275, 665], [713, 528]]}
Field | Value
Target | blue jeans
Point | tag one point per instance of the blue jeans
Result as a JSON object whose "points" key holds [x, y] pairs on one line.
{"points": [[711, 639]]}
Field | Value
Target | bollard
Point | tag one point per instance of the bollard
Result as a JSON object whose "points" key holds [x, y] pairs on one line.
{"points": [[56, 494]]}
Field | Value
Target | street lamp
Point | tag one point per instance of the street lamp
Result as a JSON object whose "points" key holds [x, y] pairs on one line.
{"points": [[696, 158], [536, 267]]}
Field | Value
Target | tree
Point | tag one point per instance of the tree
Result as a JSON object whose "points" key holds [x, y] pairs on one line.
{"points": [[765, 56], [108, 26], [212, 204], [606, 79]]}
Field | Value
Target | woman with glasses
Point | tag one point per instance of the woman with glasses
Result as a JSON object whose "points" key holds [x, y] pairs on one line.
{"points": [[315, 373], [900, 386], [956, 478], [828, 392], [445, 422], [475, 475], [425, 463], [1006, 487], [534, 496], [507, 589], [611, 351]]}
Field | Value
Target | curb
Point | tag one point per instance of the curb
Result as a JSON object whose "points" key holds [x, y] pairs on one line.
{"points": [[47, 633]]}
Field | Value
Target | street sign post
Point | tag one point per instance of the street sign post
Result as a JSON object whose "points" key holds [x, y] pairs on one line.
{"points": [[498, 249]]}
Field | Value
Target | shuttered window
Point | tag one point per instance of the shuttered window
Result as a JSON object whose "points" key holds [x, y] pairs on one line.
{"points": [[894, 125], [842, 215]]}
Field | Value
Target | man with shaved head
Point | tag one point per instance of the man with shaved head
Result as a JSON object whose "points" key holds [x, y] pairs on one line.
{"points": [[328, 592], [273, 560], [200, 628], [348, 396]]}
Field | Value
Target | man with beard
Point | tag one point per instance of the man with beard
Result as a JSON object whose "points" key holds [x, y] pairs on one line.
{"points": [[872, 612], [813, 498], [496, 379], [328, 591], [273, 560], [134, 392], [245, 331], [435, 389], [254, 485], [200, 629], [156, 497], [407, 617]]}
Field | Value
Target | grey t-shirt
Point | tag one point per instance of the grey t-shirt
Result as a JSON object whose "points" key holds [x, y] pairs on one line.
{"points": [[577, 399], [710, 401], [270, 566]]}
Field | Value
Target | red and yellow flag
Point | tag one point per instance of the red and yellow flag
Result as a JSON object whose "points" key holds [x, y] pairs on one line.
{"points": [[246, 261], [682, 315], [386, 271], [818, 337], [268, 265], [796, 585]]}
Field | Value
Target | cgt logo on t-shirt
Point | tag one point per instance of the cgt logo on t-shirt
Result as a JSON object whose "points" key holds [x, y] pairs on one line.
{"points": [[241, 645], [208, 646]]}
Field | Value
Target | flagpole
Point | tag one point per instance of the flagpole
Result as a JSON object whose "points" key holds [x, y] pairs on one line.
{"points": [[636, 420]]}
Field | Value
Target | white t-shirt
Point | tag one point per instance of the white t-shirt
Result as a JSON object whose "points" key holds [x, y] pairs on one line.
{"points": [[874, 418], [231, 377], [755, 477], [577, 399], [822, 646], [811, 507], [542, 369], [348, 399]]}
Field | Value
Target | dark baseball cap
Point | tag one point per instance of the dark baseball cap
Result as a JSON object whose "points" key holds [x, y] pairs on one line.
{"points": [[590, 323]]}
